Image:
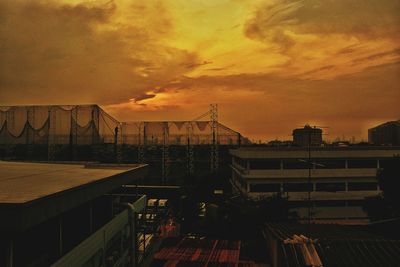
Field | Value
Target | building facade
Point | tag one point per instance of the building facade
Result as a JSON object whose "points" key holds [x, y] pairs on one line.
{"points": [[65, 215], [338, 178], [385, 134]]}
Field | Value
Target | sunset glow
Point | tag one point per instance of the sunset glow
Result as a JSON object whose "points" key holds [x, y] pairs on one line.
{"points": [[272, 65]]}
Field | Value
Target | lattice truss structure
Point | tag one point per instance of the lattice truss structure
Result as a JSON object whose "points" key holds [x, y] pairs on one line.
{"points": [[89, 124], [87, 132]]}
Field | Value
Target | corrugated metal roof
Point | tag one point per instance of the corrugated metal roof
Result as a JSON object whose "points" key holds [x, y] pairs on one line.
{"points": [[336, 245], [195, 251]]}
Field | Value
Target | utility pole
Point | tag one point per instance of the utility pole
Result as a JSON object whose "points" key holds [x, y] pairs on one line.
{"points": [[310, 166], [309, 176]]}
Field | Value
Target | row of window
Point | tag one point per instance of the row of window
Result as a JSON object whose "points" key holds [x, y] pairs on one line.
{"points": [[315, 163], [319, 187], [327, 203]]}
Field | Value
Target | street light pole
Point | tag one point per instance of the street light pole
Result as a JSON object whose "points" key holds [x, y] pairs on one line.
{"points": [[309, 176]]}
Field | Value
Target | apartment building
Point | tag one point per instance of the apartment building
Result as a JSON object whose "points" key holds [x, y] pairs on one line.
{"points": [[338, 178]]}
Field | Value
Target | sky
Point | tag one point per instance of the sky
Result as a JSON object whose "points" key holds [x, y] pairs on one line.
{"points": [[271, 65]]}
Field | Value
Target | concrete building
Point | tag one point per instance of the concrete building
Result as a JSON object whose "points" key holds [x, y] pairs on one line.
{"points": [[64, 214], [338, 180], [387, 133], [306, 135]]}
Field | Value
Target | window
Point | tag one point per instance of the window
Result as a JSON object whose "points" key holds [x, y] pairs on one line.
{"points": [[296, 164], [362, 163], [331, 187], [297, 187], [359, 186], [299, 204], [265, 164], [355, 203], [330, 203], [265, 187], [330, 164]]}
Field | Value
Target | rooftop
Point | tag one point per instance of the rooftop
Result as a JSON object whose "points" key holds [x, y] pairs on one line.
{"points": [[31, 193], [22, 182], [322, 152], [389, 123]]}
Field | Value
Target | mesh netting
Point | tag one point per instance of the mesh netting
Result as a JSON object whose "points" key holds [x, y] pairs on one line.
{"points": [[55, 125], [89, 124], [176, 133]]}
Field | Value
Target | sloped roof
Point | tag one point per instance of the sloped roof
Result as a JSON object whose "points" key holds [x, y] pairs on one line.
{"points": [[386, 124], [336, 245]]}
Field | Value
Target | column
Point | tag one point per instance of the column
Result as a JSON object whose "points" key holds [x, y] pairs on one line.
{"points": [[60, 237], [10, 254]]}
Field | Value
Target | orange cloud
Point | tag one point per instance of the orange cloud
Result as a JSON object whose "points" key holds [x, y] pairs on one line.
{"points": [[272, 65]]}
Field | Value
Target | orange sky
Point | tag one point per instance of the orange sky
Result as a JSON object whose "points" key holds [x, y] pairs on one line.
{"points": [[272, 65]]}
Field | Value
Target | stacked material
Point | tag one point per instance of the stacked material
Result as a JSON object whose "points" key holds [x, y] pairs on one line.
{"points": [[308, 252], [330, 246], [194, 251]]}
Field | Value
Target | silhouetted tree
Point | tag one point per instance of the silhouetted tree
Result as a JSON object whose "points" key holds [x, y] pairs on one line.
{"points": [[386, 205], [389, 182]]}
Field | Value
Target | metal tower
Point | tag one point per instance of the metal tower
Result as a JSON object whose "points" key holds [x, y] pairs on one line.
{"points": [[51, 141], [141, 142], [214, 132], [190, 149], [165, 154]]}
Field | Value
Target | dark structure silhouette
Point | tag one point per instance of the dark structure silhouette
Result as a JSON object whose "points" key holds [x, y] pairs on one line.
{"points": [[307, 135], [387, 133]]}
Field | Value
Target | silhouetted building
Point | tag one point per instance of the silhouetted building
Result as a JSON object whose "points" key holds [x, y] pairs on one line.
{"points": [[387, 133], [338, 178], [276, 143], [307, 135]]}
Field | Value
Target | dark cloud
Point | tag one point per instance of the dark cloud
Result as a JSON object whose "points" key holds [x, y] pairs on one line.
{"points": [[143, 97], [366, 19], [348, 104], [320, 69], [395, 53], [58, 53], [371, 94]]}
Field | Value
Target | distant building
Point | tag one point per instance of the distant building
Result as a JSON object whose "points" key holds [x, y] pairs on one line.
{"points": [[340, 178], [306, 135], [387, 133], [280, 143]]}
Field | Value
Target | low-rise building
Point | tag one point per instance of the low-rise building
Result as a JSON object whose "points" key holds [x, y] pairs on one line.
{"points": [[64, 214], [387, 133], [337, 179]]}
